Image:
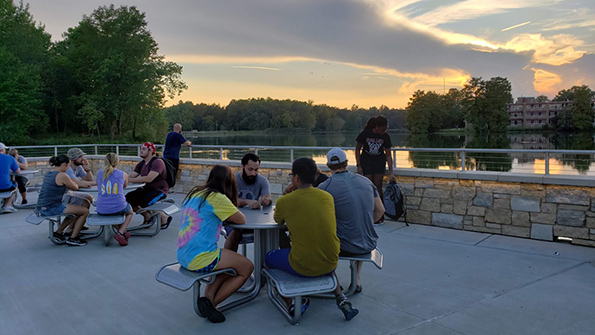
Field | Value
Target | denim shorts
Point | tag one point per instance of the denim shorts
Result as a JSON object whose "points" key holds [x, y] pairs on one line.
{"points": [[52, 211], [122, 212]]}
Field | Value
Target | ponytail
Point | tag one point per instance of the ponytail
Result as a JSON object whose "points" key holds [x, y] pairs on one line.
{"points": [[59, 160], [110, 162]]}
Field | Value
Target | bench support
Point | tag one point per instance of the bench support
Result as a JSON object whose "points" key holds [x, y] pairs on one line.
{"points": [[54, 222], [174, 275], [167, 207]]}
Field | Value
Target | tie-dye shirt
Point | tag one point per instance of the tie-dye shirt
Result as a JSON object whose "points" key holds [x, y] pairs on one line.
{"points": [[199, 229]]}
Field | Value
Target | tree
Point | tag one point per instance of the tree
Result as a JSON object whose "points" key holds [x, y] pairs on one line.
{"points": [[542, 98], [582, 110], [117, 75], [568, 95], [485, 104]]}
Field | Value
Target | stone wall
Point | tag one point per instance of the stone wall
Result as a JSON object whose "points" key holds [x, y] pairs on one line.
{"points": [[523, 205]]}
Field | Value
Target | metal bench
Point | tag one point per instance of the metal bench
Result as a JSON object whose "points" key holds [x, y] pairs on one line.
{"points": [[283, 284], [375, 257], [55, 221], [178, 277], [167, 206], [29, 205], [105, 222], [3, 197]]}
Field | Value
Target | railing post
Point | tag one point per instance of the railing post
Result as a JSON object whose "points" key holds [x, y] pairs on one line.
{"points": [[118, 150], [462, 160], [291, 155], [221, 153], [394, 154], [96, 150], [138, 150], [256, 151], [190, 153], [547, 163], [55, 151]]}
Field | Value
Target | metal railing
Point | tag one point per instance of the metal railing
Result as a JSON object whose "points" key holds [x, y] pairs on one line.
{"points": [[538, 161]]}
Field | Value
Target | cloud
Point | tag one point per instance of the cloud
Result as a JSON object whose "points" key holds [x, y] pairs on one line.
{"points": [[545, 82], [555, 50], [255, 68], [516, 26]]}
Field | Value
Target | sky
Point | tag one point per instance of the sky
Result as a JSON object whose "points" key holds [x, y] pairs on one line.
{"points": [[358, 52]]}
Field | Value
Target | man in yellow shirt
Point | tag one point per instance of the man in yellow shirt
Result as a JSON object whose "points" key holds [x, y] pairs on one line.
{"points": [[309, 214]]}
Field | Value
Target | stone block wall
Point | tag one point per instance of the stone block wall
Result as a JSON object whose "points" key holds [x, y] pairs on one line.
{"points": [[530, 206]]}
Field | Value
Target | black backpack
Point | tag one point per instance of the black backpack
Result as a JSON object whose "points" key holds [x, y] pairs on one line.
{"points": [[170, 171], [394, 204]]}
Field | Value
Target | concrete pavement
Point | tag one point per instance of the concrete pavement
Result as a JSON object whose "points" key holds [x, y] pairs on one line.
{"points": [[434, 281]]}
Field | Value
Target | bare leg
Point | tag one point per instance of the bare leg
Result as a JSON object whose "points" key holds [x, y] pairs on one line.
{"points": [[81, 212], [10, 200], [359, 270], [124, 226], [233, 240], [224, 286]]}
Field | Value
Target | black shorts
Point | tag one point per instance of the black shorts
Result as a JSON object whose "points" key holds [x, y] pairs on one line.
{"points": [[144, 197], [370, 167], [12, 188], [22, 183]]}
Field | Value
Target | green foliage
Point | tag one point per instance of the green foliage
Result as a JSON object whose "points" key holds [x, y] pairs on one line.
{"points": [[23, 55], [116, 79], [542, 98], [261, 114], [430, 112], [582, 110], [485, 104]]}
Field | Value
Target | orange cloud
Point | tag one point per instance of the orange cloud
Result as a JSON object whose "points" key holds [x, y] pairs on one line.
{"points": [[545, 82]]}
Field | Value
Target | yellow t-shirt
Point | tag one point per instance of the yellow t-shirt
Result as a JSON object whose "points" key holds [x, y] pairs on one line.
{"points": [[310, 217]]}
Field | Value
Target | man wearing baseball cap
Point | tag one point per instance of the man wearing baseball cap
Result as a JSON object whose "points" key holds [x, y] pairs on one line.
{"points": [[7, 164], [150, 171], [79, 169], [357, 207]]}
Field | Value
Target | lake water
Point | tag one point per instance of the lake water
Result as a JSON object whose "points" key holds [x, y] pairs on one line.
{"points": [[506, 162]]}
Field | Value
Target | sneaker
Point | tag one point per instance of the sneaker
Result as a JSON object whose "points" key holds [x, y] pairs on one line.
{"points": [[24, 202], [59, 238], [380, 222], [84, 228], [206, 309], [121, 239], [347, 309], [76, 241], [305, 305], [9, 209], [127, 235]]}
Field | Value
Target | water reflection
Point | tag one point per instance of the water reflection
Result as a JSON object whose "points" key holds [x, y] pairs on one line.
{"points": [[505, 162]]}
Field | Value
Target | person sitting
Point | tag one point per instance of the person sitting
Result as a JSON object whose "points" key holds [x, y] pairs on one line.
{"points": [[150, 171], [110, 198], [203, 211], [7, 164], [79, 171], [309, 214], [357, 207], [253, 191], [49, 203], [21, 181]]}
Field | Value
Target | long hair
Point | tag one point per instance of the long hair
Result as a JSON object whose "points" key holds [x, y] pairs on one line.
{"points": [[110, 162], [220, 180], [59, 160], [376, 121]]}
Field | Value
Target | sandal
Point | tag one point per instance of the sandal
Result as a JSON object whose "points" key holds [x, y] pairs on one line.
{"points": [[166, 224]]}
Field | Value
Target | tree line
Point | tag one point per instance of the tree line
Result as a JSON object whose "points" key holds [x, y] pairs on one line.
{"points": [[103, 78], [262, 114], [482, 106]]}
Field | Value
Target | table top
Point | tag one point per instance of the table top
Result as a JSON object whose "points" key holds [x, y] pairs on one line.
{"points": [[92, 189], [24, 172], [257, 218]]}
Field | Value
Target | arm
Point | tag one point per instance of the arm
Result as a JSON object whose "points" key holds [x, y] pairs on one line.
{"points": [[125, 180], [187, 143], [358, 151], [63, 179], [22, 166], [265, 200], [237, 218], [87, 168], [145, 179], [378, 208], [254, 204], [82, 183], [389, 160]]}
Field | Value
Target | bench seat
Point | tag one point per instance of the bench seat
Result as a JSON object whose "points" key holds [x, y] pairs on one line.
{"points": [[375, 257], [3, 197], [176, 276], [54, 222], [283, 284], [167, 206], [106, 222]]}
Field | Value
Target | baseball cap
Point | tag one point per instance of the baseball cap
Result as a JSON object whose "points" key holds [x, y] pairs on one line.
{"points": [[75, 153], [2, 146], [336, 156]]}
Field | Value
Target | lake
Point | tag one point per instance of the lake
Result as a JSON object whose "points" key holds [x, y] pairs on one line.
{"points": [[507, 162]]}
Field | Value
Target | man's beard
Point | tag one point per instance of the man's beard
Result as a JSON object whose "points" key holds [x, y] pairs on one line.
{"points": [[78, 163], [249, 180]]}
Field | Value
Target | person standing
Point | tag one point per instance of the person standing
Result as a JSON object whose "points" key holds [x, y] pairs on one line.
{"points": [[372, 152], [173, 144]]}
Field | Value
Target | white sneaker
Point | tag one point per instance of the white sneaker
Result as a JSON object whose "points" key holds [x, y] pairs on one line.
{"points": [[9, 209]]}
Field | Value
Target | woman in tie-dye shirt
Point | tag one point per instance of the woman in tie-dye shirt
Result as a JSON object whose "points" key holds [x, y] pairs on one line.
{"points": [[203, 212]]}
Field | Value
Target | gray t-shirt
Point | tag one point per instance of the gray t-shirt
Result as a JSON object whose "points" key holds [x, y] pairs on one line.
{"points": [[74, 175], [354, 208], [254, 191]]}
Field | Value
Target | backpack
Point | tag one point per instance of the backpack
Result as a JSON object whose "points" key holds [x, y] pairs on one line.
{"points": [[394, 204], [170, 171]]}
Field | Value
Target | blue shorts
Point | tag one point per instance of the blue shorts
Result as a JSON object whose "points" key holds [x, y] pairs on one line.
{"points": [[210, 267], [279, 259], [51, 211], [125, 211]]}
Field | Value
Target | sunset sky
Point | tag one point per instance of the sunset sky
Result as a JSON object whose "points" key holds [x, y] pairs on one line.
{"points": [[364, 52]]}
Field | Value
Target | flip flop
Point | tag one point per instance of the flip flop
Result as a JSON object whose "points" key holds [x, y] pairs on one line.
{"points": [[164, 226]]}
